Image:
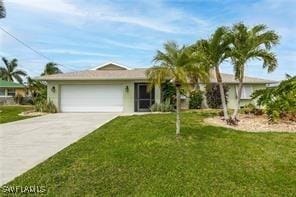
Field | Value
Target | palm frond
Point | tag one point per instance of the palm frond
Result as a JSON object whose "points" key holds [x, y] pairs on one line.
{"points": [[18, 78], [156, 75], [2, 10], [5, 61], [19, 72], [269, 59]]}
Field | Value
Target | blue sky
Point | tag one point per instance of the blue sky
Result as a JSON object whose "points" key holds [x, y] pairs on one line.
{"points": [[82, 34]]}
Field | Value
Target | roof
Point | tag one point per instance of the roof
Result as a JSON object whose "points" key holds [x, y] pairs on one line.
{"points": [[134, 74], [10, 84], [113, 64]]}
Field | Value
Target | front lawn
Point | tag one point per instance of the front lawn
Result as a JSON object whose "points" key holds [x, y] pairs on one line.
{"points": [[11, 113], [141, 156]]}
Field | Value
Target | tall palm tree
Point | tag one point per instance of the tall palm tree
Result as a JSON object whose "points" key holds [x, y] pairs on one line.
{"points": [[215, 50], [2, 10], [170, 64], [10, 71], [50, 69], [251, 44]]}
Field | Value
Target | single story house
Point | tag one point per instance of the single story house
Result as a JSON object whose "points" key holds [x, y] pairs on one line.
{"points": [[9, 89], [112, 87]]}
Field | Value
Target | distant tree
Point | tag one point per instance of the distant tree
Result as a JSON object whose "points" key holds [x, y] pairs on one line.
{"points": [[50, 69], [10, 71], [2, 10]]}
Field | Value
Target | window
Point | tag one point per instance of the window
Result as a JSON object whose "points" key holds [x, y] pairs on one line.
{"points": [[10, 92], [247, 91], [2, 92]]}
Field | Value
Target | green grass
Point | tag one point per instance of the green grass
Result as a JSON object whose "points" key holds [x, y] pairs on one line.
{"points": [[10, 113], [141, 156]]}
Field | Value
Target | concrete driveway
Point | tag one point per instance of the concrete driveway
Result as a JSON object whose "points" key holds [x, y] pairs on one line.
{"points": [[26, 143]]}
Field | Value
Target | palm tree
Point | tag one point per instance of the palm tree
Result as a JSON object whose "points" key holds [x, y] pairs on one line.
{"points": [[199, 70], [10, 71], [215, 52], [170, 65], [37, 89], [250, 44], [50, 69], [2, 10]]}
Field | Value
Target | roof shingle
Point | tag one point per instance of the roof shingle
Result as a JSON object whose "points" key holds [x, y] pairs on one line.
{"points": [[134, 74]]}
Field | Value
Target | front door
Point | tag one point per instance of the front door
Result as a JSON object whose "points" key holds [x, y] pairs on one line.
{"points": [[144, 99]]}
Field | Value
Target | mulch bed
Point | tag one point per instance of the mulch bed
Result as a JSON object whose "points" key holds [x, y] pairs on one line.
{"points": [[253, 123]]}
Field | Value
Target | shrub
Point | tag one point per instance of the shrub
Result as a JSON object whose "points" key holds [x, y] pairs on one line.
{"points": [[44, 106], [252, 109], [280, 101], [18, 98], [162, 107], [27, 101], [214, 97], [168, 90], [195, 99], [221, 113]]}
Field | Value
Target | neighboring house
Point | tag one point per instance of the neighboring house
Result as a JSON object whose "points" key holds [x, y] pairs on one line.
{"points": [[113, 87], [9, 89]]}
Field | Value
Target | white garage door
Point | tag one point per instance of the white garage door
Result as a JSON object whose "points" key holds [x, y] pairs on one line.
{"points": [[91, 98]]}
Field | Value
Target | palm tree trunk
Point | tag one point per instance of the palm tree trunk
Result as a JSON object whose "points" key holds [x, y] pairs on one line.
{"points": [[178, 106], [239, 94], [222, 93]]}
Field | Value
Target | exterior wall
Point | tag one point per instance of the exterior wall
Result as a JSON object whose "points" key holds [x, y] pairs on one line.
{"points": [[20, 91], [128, 92], [232, 95], [53, 96], [157, 94], [9, 100]]}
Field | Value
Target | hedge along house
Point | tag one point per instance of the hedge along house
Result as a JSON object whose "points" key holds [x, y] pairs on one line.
{"points": [[9, 89], [113, 87]]}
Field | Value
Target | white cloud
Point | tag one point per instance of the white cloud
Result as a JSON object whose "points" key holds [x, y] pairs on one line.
{"points": [[76, 52], [130, 45], [155, 16], [54, 6]]}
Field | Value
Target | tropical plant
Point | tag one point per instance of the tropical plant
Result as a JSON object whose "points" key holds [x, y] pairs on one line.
{"points": [[199, 70], [195, 99], [213, 96], [170, 65], [250, 108], [2, 10], [168, 90], [165, 106], [45, 106], [280, 101], [249, 44], [10, 71], [37, 89], [214, 53], [50, 69]]}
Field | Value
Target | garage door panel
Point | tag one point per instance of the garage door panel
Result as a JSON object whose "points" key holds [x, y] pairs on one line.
{"points": [[91, 98]]}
